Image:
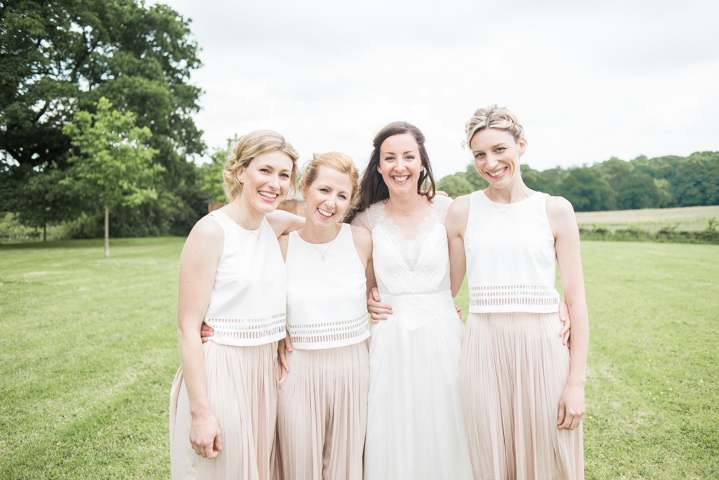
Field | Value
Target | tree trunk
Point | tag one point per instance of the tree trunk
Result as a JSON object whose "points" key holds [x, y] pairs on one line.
{"points": [[44, 232], [107, 232]]}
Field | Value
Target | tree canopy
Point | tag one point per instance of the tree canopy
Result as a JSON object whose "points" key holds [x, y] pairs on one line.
{"points": [[615, 184], [61, 57], [112, 161]]}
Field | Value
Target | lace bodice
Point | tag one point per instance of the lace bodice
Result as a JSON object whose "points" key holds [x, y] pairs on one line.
{"points": [[414, 264]]}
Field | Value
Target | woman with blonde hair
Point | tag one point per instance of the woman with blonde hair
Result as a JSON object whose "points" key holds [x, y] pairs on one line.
{"points": [[522, 390], [223, 404], [322, 409]]}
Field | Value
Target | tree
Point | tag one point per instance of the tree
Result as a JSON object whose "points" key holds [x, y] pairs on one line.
{"points": [[112, 162], [587, 191], [61, 57]]}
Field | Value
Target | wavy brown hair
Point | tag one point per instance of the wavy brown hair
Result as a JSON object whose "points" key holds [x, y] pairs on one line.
{"points": [[372, 186]]}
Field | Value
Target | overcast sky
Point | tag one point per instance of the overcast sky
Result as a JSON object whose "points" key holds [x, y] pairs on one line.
{"points": [[588, 80]]}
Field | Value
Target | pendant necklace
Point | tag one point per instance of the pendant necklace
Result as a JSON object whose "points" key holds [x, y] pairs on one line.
{"points": [[406, 214]]}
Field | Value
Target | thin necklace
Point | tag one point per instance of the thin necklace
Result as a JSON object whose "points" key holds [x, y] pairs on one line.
{"points": [[316, 246], [406, 214]]}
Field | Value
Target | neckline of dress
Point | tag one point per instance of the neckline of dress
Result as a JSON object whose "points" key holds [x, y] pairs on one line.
{"points": [[339, 232], [484, 193], [254, 231]]}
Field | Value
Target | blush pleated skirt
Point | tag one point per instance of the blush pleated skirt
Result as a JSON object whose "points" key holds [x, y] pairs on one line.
{"points": [[322, 413], [513, 370], [242, 391]]}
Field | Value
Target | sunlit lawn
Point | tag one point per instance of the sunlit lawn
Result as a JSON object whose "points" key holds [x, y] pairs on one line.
{"points": [[88, 353]]}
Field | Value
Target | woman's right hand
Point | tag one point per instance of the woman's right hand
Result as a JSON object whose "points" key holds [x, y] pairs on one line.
{"points": [[377, 309], [206, 332], [284, 346], [205, 436]]}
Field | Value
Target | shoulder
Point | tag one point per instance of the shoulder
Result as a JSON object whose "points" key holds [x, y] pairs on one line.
{"points": [[362, 239], [361, 235], [367, 218], [560, 214], [205, 241], [441, 201], [559, 206], [207, 228], [457, 216], [459, 208]]}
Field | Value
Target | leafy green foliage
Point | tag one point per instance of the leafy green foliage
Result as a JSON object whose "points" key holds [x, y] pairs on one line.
{"points": [[615, 184], [112, 162], [61, 57]]}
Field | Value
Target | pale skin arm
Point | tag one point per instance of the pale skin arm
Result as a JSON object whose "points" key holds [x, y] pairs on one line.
{"points": [[456, 224], [566, 234], [198, 266], [284, 345], [283, 222]]}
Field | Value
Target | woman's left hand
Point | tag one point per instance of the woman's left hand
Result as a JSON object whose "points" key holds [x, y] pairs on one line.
{"points": [[571, 407], [566, 323]]}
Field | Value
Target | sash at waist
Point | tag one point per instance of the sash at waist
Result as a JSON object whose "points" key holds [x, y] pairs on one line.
{"points": [[413, 311]]}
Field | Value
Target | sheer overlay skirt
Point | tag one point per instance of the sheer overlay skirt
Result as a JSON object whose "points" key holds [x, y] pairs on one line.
{"points": [[415, 425], [322, 413], [512, 372], [242, 390]]}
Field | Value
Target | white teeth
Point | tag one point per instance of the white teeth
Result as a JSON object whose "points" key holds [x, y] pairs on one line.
{"points": [[498, 173], [401, 179], [325, 212], [271, 196]]}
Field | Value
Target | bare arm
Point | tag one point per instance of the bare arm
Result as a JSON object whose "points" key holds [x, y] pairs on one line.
{"points": [[284, 222], [284, 345], [566, 235], [198, 266], [456, 225]]}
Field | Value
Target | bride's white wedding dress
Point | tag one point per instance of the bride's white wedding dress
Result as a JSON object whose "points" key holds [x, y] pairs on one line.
{"points": [[414, 424]]}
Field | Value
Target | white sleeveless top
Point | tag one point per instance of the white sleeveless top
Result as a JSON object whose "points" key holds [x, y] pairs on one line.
{"points": [[326, 293], [247, 306], [510, 256]]}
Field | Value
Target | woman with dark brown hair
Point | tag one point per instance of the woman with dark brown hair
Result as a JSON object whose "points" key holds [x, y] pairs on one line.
{"points": [[414, 423]]}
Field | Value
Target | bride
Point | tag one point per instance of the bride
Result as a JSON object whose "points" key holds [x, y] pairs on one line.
{"points": [[414, 424]]}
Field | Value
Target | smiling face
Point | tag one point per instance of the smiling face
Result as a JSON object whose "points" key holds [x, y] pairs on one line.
{"points": [[400, 163], [496, 155], [328, 197], [266, 180]]}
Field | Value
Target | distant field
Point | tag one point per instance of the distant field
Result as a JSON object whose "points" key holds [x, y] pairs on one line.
{"points": [[89, 351], [690, 219]]}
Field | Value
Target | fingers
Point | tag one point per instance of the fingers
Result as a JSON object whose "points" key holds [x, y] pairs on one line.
{"points": [[568, 421], [288, 343], [206, 332]]}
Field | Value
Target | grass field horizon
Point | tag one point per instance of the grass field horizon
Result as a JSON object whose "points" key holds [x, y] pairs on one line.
{"points": [[652, 219], [89, 354]]}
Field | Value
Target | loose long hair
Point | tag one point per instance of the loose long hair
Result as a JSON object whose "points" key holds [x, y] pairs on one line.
{"points": [[372, 186]]}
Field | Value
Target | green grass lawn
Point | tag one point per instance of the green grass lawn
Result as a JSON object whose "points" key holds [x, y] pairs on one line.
{"points": [[88, 354]]}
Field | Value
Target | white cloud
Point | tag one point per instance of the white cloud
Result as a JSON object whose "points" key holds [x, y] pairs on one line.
{"points": [[589, 80]]}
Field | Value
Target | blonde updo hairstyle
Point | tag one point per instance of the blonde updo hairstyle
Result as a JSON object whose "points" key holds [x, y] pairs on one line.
{"points": [[494, 117], [248, 147], [336, 161]]}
